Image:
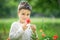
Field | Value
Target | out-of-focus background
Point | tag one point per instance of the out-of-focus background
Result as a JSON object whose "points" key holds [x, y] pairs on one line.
{"points": [[45, 15]]}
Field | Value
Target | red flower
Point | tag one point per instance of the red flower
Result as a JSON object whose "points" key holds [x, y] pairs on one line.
{"points": [[55, 37], [43, 35], [28, 21]]}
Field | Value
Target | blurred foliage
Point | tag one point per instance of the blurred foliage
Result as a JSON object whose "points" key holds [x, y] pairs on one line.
{"points": [[49, 27], [8, 8]]}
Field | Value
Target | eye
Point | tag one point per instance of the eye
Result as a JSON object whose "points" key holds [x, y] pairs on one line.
{"points": [[28, 14], [23, 14]]}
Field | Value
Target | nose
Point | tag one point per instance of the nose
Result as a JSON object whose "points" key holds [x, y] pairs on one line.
{"points": [[25, 16]]}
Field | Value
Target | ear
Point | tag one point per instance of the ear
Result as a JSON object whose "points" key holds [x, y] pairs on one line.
{"points": [[18, 12]]}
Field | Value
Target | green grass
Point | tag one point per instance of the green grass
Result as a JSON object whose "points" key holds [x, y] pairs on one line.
{"points": [[50, 26]]}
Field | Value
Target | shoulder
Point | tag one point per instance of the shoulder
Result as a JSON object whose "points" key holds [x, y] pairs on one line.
{"points": [[14, 23]]}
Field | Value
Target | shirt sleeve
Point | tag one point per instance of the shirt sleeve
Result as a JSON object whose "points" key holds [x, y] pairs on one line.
{"points": [[14, 32]]}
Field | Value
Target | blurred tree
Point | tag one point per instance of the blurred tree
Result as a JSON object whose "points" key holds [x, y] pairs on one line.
{"points": [[47, 7], [8, 8]]}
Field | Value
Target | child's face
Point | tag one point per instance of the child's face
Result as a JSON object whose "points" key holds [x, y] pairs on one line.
{"points": [[23, 14]]}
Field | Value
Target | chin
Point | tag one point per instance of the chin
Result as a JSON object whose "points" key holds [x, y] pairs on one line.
{"points": [[23, 20]]}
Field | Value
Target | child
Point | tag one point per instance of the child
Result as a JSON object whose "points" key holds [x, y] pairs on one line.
{"points": [[20, 30]]}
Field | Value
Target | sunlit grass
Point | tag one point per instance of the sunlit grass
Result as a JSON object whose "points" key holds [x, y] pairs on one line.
{"points": [[50, 26]]}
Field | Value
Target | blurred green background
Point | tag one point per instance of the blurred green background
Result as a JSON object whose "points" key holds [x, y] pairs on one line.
{"points": [[45, 14]]}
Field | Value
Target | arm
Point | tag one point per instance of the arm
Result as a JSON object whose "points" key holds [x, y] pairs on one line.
{"points": [[15, 34]]}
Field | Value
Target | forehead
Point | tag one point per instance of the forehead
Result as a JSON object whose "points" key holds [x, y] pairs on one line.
{"points": [[25, 11]]}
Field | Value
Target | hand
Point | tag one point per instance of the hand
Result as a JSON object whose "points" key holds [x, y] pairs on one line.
{"points": [[33, 27], [37, 38], [24, 26], [8, 38]]}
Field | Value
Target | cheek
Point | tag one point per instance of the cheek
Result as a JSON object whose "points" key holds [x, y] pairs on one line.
{"points": [[18, 15], [28, 16], [22, 16]]}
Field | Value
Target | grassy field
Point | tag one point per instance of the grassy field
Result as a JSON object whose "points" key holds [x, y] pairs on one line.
{"points": [[50, 27]]}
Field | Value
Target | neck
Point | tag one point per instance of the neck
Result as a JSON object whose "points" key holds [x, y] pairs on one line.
{"points": [[21, 22]]}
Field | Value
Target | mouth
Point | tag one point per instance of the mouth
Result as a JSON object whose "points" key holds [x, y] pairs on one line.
{"points": [[24, 19]]}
